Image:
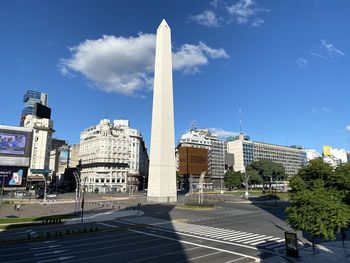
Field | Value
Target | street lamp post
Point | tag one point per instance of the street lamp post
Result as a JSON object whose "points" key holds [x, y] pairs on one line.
{"points": [[83, 200], [246, 194], [77, 186]]}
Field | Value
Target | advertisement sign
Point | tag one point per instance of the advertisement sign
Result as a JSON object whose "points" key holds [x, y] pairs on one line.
{"points": [[64, 154], [193, 160], [13, 176], [291, 244], [42, 111], [13, 144], [327, 150]]}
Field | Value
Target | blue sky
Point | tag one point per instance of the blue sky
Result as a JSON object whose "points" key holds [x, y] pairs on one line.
{"points": [[285, 63]]}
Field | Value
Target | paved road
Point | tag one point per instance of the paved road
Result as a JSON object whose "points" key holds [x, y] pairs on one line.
{"points": [[231, 233], [136, 245]]}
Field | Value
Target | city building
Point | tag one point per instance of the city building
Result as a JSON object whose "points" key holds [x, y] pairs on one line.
{"points": [[40, 156], [74, 155], [203, 138], [15, 153], [30, 98], [246, 151], [113, 157], [334, 156], [59, 159], [57, 143], [312, 154]]}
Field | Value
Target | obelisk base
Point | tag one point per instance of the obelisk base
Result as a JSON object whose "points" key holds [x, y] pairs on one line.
{"points": [[161, 199]]}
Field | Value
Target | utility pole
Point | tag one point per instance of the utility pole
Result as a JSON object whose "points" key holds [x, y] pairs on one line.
{"points": [[246, 194], [83, 200]]}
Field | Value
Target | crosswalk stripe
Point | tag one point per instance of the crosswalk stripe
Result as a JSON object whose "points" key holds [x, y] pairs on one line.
{"points": [[270, 240], [264, 241], [256, 238], [212, 232], [249, 241], [243, 237]]}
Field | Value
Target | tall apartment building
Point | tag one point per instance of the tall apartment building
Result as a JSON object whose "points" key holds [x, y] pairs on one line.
{"points": [[203, 138], [41, 146], [30, 98], [334, 156], [74, 155], [312, 154], [113, 157], [59, 158], [246, 151]]}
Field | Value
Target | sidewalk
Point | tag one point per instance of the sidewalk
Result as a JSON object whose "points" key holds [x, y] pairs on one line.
{"points": [[328, 252]]}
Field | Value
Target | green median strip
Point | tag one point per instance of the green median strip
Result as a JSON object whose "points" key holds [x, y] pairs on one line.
{"points": [[66, 232]]}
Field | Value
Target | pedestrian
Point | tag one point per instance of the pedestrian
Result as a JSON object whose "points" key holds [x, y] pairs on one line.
{"points": [[15, 206]]}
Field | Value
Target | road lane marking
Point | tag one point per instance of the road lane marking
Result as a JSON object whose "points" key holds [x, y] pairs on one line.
{"points": [[46, 247], [202, 256], [195, 244], [222, 234], [234, 260], [104, 224], [50, 252], [165, 254], [55, 259], [219, 241]]}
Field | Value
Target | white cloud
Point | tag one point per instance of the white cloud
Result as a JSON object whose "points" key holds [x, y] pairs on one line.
{"points": [[190, 57], [320, 110], [257, 22], [325, 51], [125, 65], [246, 12], [347, 128], [302, 63], [215, 3], [242, 12], [331, 50], [325, 109], [222, 133], [207, 18]]}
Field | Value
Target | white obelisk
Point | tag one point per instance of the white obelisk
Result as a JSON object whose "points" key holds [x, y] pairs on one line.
{"points": [[162, 171]]}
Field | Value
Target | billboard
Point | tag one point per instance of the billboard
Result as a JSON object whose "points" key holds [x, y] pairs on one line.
{"points": [[64, 155], [193, 160], [15, 146], [11, 176], [12, 144], [327, 150], [42, 111]]}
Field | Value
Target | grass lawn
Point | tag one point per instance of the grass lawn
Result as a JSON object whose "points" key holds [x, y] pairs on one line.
{"points": [[257, 193]]}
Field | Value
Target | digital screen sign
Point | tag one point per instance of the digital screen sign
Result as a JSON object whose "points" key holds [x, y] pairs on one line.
{"points": [[64, 155], [193, 160], [12, 143], [42, 111], [11, 176]]}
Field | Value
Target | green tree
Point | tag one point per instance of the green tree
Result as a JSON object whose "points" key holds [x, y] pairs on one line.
{"points": [[317, 202], [341, 181], [254, 176], [233, 179], [268, 170]]}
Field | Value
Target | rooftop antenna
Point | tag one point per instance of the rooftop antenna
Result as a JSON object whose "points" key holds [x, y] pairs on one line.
{"points": [[240, 119], [194, 125]]}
